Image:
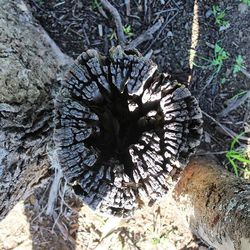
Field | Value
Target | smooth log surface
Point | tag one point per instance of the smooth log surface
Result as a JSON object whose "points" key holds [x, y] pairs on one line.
{"points": [[216, 204]]}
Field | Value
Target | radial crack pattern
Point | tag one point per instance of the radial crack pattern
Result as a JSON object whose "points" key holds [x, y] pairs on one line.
{"points": [[121, 128]]}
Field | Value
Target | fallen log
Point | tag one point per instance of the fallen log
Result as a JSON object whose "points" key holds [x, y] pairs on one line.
{"points": [[30, 66], [215, 203]]}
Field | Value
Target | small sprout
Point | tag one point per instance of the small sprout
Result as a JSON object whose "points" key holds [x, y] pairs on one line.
{"points": [[40, 2], [238, 157], [220, 55], [156, 241], [95, 4], [241, 93], [112, 36], [223, 80], [161, 239], [247, 2], [219, 16], [128, 31], [239, 64]]}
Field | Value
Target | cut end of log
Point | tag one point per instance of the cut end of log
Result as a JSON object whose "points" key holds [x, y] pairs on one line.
{"points": [[121, 128]]}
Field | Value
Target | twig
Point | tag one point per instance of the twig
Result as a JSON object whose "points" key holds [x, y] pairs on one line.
{"points": [[208, 82], [85, 34], [211, 153], [127, 4], [145, 7], [148, 55], [159, 33], [246, 73], [228, 131], [145, 36], [117, 19], [234, 104], [163, 11]]}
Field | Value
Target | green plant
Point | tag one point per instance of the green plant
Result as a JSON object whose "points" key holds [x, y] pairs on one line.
{"points": [[223, 80], [219, 16], [40, 2], [95, 4], [240, 93], [239, 64], [160, 239], [238, 157], [220, 55], [128, 30], [246, 2], [112, 36]]}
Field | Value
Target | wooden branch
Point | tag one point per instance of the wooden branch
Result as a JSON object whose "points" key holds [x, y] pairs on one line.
{"points": [[117, 19], [145, 36], [216, 204]]}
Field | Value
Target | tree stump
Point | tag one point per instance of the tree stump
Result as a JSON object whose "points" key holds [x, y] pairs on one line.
{"points": [[122, 128]]}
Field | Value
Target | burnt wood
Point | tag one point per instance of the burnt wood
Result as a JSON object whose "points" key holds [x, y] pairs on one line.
{"points": [[121, 128]]}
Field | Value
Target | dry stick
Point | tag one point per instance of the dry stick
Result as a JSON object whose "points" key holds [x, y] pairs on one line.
{"points": [[234, 104], [127, 4], [145, 36], [145, 7], [208, 82], [246, 73], [163, 27], [228, 131], [117, 19]]}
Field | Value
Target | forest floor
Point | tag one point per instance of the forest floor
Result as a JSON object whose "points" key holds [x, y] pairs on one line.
{"points": [[203, 44]]}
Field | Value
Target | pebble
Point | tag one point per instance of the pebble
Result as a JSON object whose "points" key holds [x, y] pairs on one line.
{"points": [[208, 13], [170, 34], [242, 8]]}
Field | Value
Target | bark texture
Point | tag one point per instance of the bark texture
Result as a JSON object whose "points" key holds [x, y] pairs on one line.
{"points": [[29, 63], [216, 204]]}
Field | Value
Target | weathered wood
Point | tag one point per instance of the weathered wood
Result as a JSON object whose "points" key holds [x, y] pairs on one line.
{"points": [[30, 62], [216, 204], [122, 127]]}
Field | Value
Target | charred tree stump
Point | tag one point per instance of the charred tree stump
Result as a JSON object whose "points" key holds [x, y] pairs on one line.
{"points": [[122, 129]]}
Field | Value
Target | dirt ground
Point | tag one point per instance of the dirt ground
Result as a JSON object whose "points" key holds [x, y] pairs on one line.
{"points": [[184, 46]]}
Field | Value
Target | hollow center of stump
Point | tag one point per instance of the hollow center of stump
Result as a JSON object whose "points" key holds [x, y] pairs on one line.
{"points": [[120, 128]]}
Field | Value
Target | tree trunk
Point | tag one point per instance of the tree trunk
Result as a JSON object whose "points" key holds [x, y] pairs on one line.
{"points": [[30, 62], [216, 204]]}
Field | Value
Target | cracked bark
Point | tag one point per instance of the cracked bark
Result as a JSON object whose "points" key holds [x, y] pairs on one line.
{"points": [[29, 63], [215, 202]]}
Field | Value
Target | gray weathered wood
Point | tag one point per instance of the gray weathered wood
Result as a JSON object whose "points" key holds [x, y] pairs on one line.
{"points": [[118, 113], [30, 62]]}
